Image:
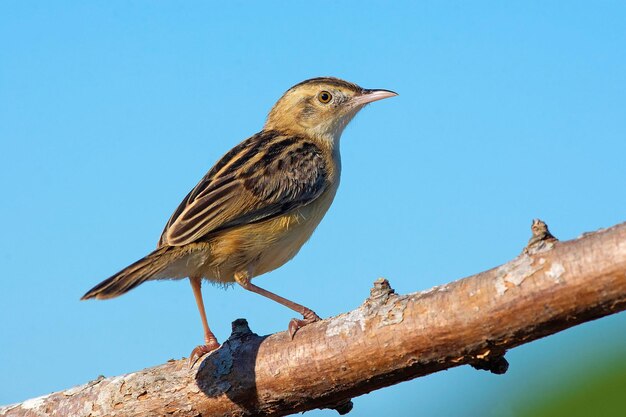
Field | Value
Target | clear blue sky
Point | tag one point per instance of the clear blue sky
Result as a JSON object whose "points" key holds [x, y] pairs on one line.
{"points": [[111, 111]]}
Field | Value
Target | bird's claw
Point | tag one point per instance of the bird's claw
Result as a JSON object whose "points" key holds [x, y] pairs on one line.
{"points": [[295, 324], [202, 350]]}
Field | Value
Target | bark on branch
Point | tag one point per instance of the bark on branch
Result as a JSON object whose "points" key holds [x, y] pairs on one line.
{"points": [[390, 338]]}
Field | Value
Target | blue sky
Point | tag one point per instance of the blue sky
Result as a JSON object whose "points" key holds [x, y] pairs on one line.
{"points": [[111, 111]]}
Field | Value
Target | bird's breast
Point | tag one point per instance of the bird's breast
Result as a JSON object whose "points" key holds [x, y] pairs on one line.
{"points": [[292, 231], [264, 246]]}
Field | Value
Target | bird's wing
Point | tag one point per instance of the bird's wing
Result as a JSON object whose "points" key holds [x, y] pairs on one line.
{"points": [[264, 177]]}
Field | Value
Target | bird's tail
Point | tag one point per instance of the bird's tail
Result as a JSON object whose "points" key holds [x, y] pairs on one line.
{"points": [[131, 276]]}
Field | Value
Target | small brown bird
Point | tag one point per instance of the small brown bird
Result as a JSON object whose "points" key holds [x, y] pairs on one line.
{"points": [[255, 208]]}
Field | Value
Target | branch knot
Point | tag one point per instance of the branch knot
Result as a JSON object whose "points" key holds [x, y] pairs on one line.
{"points": [[381, 290], [492, 362], [240, 328], [541, 239]]}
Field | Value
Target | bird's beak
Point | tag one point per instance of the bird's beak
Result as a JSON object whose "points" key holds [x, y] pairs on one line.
{"points": [[369, 96]]}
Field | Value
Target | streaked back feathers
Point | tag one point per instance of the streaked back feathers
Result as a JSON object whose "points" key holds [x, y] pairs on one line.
{"points": [[264, 177]]}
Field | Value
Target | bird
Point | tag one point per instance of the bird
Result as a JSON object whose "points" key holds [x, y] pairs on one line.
{"points": [[257, 206]]}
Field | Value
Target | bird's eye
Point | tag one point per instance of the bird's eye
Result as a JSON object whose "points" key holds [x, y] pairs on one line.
{"points": [[324, 97]]}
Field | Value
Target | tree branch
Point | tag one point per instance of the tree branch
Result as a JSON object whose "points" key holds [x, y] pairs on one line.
{"points": [[390, 338]]}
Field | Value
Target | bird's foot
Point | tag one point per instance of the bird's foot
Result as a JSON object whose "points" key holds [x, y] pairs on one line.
{"points": [[202, 350], [309, 317]]}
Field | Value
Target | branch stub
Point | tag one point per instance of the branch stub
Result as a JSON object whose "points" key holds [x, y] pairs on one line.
{"points": [[381, 289], [541, 238]]}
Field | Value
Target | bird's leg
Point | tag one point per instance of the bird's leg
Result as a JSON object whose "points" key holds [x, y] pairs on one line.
{"points": [[308, 315], [210, 341]]}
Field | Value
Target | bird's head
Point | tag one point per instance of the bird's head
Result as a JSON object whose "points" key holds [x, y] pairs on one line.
{"points": [[321, 107]]}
